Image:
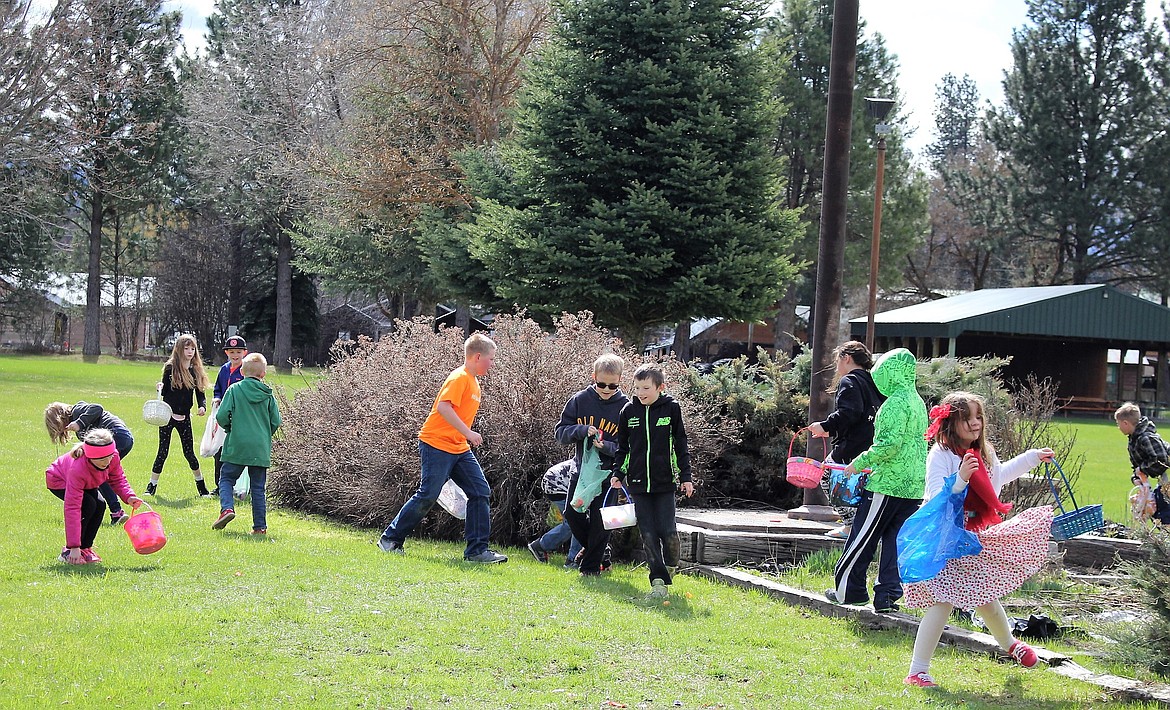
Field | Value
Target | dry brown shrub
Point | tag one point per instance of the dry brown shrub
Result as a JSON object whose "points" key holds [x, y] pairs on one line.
{"points": [[349, 448]]}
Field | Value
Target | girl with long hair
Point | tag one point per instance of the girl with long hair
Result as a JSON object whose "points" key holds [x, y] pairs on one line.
{"points": [[183, 382]]}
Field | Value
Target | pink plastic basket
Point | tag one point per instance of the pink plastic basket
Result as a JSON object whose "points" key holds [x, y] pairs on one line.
{"points": [[145, 531], [802, 471]]}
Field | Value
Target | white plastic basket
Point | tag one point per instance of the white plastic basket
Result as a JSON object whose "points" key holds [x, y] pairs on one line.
{"points": [[618, 516], [156, 412]]}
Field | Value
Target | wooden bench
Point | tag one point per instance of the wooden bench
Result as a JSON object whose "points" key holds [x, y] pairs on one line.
{"points": [[1089, 405]]}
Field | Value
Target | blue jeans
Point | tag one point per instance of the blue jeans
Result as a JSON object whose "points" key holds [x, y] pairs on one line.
{"points": [[437, 467], [123, 442], [557, 535], [257, 475]]}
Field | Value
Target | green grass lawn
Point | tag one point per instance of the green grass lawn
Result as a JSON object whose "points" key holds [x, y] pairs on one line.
{"points": [[316, 616]]}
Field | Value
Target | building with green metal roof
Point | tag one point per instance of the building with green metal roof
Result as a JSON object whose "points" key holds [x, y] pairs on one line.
{"points": [[1062, 332]]}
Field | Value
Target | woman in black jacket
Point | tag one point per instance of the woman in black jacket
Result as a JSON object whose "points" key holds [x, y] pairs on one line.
{"points": [[851, 422]]}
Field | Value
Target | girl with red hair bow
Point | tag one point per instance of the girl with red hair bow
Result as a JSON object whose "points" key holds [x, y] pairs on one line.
{"points": [[1013, 550]]}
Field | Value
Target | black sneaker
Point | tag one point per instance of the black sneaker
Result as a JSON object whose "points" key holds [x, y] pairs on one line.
{"points": [[151, 488], [538, 552], [385, 544], [488, 557], [202, 488], [888, 608], [831, 595], [607, 558]]}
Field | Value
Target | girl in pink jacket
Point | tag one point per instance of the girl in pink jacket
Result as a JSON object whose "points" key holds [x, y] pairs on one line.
{"points": [[74, 478]]}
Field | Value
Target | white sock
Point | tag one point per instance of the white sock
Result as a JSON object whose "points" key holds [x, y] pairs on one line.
{"points": [[929, 632], [154, 477], [198, 475]]}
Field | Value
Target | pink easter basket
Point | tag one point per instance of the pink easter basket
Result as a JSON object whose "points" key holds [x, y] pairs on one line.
{"points": [[145, 531], [802, 471]]}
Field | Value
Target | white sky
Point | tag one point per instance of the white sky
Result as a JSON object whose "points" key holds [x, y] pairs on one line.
{"points": [[930, 38]]}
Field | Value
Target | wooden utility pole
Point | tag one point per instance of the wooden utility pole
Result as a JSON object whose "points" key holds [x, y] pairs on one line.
{"points": [[826, 311]]}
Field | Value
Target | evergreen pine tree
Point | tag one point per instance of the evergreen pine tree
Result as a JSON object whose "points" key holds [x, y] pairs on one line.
{"points": [[649, 191]]}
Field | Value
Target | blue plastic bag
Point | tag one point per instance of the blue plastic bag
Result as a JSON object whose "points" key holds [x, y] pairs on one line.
{"points": [[591, 478], [934, 534]]}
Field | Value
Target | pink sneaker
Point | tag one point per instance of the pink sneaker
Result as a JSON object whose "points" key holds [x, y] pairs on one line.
{"points": [[1023, 653], [921, 680], [90, 556]]}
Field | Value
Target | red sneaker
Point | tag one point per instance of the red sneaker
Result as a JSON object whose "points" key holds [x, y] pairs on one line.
{"points": [[89, 555], [225, 517], [1023, 653], [921, 680]]}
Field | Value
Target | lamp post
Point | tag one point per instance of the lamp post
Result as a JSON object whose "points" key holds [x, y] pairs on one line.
{"points": [[877, 109]]}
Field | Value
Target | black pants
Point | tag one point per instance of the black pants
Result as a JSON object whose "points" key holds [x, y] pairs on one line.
{"points": [[123, 441], [164, 444], [587, 528], [656, 524], [93, 509], [879, 518]]}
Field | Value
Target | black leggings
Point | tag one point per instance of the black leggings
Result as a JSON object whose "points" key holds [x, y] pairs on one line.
{"points": [[164, 444], [93, 509]]}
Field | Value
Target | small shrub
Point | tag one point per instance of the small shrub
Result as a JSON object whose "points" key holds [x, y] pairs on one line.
{"points": [[762, 401], [1145, 644]]}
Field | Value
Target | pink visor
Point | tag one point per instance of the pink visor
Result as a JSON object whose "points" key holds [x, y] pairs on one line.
{"points": [[93, 451]]}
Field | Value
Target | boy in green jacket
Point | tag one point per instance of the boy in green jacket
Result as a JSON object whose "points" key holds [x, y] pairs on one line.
{"points": [[249, 415], [894, 489]]}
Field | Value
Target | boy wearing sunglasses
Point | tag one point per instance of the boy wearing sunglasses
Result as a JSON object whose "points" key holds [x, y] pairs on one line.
{"points": [[592, 412]]}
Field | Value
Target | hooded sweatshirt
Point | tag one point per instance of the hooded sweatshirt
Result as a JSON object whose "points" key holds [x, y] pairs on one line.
{"points": [[94, 416], [898, 454], [652, 454], [76, 476], [587, 409], [250, 417]]}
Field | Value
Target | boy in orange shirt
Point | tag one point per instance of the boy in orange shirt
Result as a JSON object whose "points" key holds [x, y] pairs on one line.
{"points": [[444, 447]]}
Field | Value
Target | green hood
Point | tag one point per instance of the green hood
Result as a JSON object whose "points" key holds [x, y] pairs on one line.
{"points": [[898, 453], [894, 371]]}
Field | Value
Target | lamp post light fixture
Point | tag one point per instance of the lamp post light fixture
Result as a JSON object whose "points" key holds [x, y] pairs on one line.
{"points": [[876, 109]]}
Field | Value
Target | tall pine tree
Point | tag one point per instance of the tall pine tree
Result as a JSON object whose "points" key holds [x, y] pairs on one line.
{"points": [[650, 195], [117, 112], [1084, 98]]}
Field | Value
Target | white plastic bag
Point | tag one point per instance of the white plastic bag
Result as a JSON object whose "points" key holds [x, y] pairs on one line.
{"points": [[453, 500], [243, 486], [213, 436]]}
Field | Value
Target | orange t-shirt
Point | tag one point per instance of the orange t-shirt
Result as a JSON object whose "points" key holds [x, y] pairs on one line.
{"points": [[461, 389]]}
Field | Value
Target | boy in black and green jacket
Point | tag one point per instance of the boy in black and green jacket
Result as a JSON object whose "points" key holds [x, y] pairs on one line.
{"points": [[652, 460]]}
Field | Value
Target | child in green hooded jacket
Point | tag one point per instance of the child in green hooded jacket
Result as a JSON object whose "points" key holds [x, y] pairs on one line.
{"points": [[893, 490]]}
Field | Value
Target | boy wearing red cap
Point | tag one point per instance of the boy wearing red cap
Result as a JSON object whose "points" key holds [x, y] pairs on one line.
{"points": [[235, 347]]}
